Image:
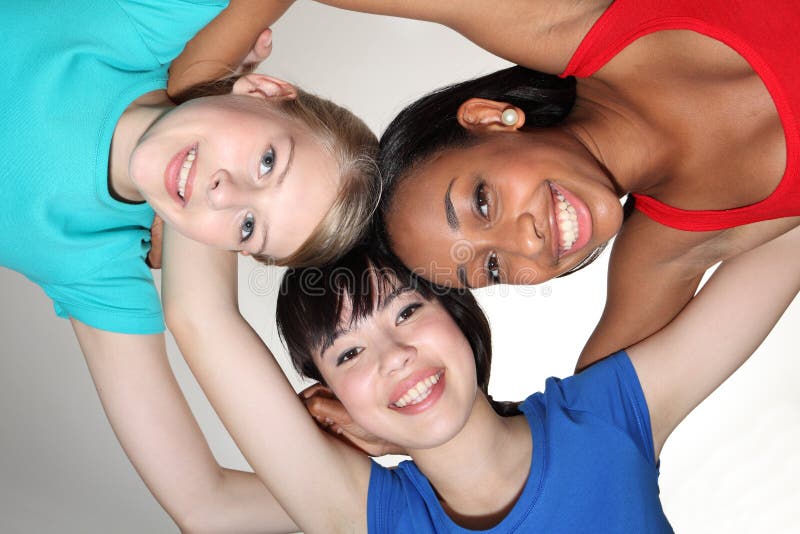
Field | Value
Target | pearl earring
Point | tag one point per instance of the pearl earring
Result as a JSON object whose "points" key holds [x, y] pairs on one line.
{"points": [[509, 117]]}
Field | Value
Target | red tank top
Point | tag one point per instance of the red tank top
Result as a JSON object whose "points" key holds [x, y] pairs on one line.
{"points": [[766, 34]]}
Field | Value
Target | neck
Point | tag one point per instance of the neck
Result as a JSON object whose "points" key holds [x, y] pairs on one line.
{"points": [[480, 473], [631, 148], [132, 125]]}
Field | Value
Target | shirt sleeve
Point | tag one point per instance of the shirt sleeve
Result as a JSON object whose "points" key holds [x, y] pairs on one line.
{"points": [[610, 390], [120, 297], [166, 26], [384, 491]]}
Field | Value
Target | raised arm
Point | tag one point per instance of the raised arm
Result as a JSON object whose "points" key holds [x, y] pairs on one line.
{"points": [[717, 331], [539, 34], [647, 285], [654, 272], [156, 428], [319, 481], [233, 38]]}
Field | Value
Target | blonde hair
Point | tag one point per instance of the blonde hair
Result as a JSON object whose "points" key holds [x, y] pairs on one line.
{"points": [[354, 147]]}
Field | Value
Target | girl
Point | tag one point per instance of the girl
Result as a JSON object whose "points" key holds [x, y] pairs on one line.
{"points": [[92, 145], [515, 177], [404, 360]]}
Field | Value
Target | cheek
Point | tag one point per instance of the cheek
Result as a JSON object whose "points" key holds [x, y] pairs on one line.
{"points": [[526, 273], [144, 170], [355, 390], [209, 228]]}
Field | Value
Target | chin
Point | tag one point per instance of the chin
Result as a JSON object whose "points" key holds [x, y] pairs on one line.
{"points": [[432, 439]]}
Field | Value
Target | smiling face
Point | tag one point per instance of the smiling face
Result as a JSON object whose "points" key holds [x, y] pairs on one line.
{"points": [[405, 372], [517, 208], [232, 172]]}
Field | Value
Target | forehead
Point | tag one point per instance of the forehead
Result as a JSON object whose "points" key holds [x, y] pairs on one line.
{"points": [[359, 300]]}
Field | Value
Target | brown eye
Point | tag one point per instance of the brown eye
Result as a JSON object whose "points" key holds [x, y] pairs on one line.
{"points": [[407, 312], [482, 200], [348, 355], [493, 268]]}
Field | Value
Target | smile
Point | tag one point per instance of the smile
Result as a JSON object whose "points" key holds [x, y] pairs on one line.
{"points": [[566, 221], [418, 392], [183, 177], [179, 175], [572, 222]]}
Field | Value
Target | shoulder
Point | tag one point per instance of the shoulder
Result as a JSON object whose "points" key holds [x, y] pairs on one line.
{"points": [[604, 381], [118, 296], [399, 499], [165, 26], [604, 401]]}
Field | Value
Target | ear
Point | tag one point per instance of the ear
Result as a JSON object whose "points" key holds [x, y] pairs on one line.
{"points": [[263, 86], [484, 115], [244, 253]]}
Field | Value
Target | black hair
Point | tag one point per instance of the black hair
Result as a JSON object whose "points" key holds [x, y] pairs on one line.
{"points": [[312, 300], [430, 125]]}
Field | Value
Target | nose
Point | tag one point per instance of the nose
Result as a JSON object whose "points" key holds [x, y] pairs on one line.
{"points": [[395, 356], [519, 236], [226, 192]]}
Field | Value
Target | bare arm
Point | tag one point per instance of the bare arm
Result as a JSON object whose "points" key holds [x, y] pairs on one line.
{"points": [[647, 286], [223, 45], [321, 482], [156, 428], [539, 34], [720, 328], [654, 272]]}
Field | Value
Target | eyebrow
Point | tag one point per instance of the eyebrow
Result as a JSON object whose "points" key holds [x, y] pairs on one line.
{"points": [[449, 209], [339, 332], [453, 223]]}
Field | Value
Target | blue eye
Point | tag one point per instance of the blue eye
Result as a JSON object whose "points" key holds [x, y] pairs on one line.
{"points": [[407, 312], [267, 162], [247, 227], [348, 355], [482, 200]]}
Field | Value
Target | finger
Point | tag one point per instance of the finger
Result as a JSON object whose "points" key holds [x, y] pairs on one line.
{"points": [[316, 390], [156, 239], [261, 49]]}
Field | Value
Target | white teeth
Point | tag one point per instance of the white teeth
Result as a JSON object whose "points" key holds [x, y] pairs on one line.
{"points": [[183, 177], [418, 392], [567, 222]]}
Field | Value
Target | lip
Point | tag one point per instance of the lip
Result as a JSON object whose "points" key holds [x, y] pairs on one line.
{"points": [[583, 216], [172, 175], [436, 391]]}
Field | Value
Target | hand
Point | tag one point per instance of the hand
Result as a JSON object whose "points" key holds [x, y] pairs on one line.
{"points": [[331, 416], [260, 51], [156, 238]]}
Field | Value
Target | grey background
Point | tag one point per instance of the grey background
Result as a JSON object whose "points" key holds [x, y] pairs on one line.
{"points": [[732, 466]]}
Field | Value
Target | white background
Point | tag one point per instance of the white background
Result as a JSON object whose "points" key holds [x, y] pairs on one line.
{"points": [[732, 466]]}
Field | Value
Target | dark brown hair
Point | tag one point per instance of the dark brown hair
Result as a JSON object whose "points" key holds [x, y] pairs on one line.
{"points": [[429, 126], [312, 300]]}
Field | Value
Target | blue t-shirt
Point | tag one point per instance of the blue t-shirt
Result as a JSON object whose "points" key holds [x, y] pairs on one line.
{"points": [[70, 68], [593, 468]]}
